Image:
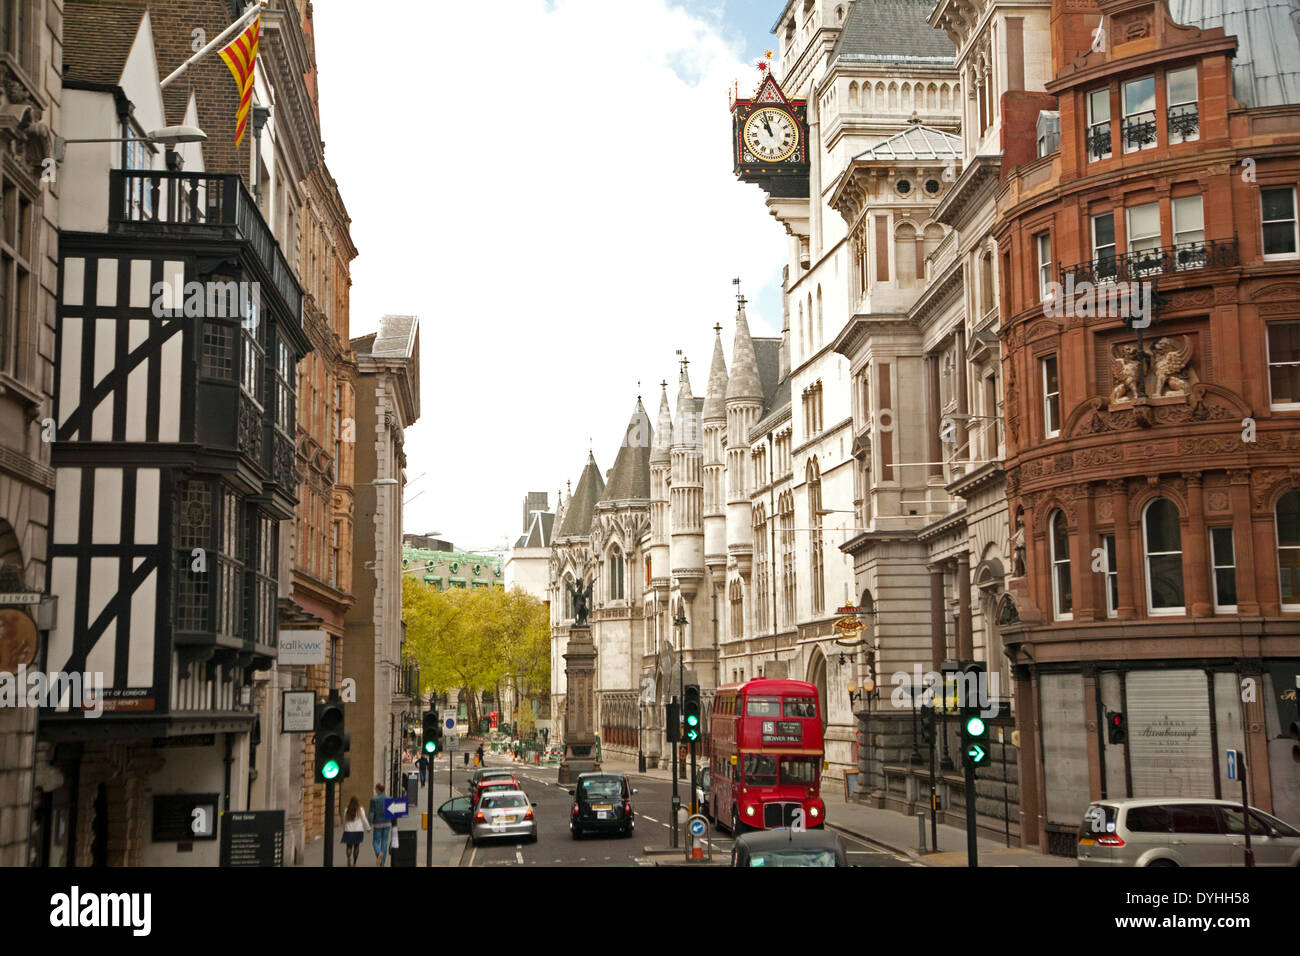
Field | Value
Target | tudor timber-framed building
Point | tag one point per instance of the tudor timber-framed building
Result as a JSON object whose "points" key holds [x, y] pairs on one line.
{"points": [[1159, 496]]}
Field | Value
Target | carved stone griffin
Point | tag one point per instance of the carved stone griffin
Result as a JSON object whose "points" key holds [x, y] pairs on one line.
{"points": [[1169, 358], [1126, 363]]}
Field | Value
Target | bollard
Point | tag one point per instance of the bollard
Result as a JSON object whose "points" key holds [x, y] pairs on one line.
{"points": [[920, 831]]}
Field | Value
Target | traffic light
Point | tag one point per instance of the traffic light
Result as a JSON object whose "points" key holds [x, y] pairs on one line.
{"points": [[974, 730], [927, 723], [332, 742], [432, 733], [672, 722], [691, 728], [1116, 729]]}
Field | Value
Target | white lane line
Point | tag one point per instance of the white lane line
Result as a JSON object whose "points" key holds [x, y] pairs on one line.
{"points": [[519, 856], [648, 817]]}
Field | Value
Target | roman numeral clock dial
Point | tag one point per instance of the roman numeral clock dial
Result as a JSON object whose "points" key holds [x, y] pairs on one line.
{"points": [[771, 134]]}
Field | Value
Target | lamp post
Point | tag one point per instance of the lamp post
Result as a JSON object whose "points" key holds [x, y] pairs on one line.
{"points": [[164, 136]]}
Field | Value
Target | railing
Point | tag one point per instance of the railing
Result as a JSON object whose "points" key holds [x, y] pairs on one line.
{"points": [[1215, 254], [1139, 129], [1183, 120], [163, 198], [1098, 142]]}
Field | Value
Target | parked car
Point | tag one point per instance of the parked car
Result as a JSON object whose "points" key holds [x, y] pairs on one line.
{"points": [[602, 802], [493, 785], [504, 814], [1166, 831], [787, 847]]}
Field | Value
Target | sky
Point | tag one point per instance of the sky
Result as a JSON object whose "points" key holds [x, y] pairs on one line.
{"points": [[547, 184]]}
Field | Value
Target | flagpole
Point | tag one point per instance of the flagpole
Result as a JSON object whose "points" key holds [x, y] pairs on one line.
{"points": [[254, 9]]}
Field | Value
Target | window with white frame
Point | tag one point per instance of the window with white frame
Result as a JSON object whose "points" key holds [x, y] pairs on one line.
{"points": [[1184, 123], [1144, 238], [1043, 243], [1098, 143], [1139, 127], [1225, 569], [1278, 220], [1189, 232], [1062, 596], [1051, 397], [1112, 575], [1103, 246], [1287, 514], [1284, 365], [1163, 545]]}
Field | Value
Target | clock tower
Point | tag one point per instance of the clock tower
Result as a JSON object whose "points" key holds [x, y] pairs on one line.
{"points": [[770, 141]]}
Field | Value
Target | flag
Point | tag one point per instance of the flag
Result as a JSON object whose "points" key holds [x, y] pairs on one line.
{"points": [[240, 55]]}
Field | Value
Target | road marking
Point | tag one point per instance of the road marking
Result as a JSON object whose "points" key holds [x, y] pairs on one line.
{"points": [[519, 856], [648, 817]]}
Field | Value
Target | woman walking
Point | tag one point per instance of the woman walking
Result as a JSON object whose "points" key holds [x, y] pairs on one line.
{"points": [[354, 823]]}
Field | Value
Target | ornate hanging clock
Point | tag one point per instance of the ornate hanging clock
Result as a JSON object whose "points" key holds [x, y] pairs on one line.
{"points": [[770, 140]]}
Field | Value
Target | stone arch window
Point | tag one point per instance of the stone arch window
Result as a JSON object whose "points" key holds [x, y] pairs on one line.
{"points": [[905, 254], [799, 339], [932, 97], [839, 13], [945, 97], [893, 96], [809, 350], [817, 557], [1287, 515], [853, 93], [986, 283], [820, 335], [905, 97], [615, 567], [879, 100], [789, 587], [567, 586], [737, 598], [1162, 547], [762, 569], [1059, 543]]}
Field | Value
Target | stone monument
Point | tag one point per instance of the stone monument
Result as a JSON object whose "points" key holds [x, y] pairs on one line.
{"points": [[580, 702]]}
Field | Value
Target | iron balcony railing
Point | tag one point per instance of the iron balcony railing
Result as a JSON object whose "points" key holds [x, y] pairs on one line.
{"points": [[178, 202], [1139, 129], [1183, 120], [1214, 254]]}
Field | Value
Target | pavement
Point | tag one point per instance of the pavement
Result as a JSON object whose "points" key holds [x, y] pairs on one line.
{"points": [[895, 833]]}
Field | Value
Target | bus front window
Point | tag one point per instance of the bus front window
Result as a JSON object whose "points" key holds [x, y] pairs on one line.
{"points": [[799, 770], [760, 770]]}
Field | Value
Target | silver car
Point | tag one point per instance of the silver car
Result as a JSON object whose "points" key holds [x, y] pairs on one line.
{"points": [[1167, 831], [505, 814]]}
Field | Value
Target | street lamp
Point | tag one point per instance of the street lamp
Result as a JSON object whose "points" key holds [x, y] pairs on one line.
{"points": [[164, 136]]}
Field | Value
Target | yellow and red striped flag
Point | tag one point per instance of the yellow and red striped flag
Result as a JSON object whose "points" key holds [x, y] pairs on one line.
{"points": [[241, 55]]}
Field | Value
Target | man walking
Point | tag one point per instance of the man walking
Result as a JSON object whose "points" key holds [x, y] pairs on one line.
{"points": [[381, 824], [423, 764]]}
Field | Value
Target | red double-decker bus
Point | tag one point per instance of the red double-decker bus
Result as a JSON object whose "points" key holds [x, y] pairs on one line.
{"points": [[765, 755]]}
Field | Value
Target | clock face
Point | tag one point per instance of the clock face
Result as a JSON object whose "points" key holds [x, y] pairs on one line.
{"points": [[771, 134]]}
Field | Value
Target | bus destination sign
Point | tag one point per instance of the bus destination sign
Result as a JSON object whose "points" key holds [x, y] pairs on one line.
{"points": [[782, 732]]}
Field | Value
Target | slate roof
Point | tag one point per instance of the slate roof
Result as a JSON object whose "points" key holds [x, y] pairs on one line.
{"points": [[1266, 70], [917, 143], [716, 393], [767, 353], [97, 38], [539, 530], [396, 337], [582, 503], [744, 380], [686, 425], [629, 479], [890, 31]]}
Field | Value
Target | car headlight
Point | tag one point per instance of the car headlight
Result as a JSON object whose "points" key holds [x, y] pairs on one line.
{"points": [[749, 811], [813, 811]]}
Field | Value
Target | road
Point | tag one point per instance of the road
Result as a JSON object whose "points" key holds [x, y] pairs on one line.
{"points": [[555, 846]]}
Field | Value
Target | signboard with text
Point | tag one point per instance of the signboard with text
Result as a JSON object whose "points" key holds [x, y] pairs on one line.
{"points": [[298, 714], [302, 646]]}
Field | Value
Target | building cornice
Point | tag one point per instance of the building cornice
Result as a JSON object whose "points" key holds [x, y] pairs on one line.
{"points": [[972, 481], [975, 181], [938, 293], [858, 329]]}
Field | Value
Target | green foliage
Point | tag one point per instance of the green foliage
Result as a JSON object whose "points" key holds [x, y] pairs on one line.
{"points": [[476, 639]]}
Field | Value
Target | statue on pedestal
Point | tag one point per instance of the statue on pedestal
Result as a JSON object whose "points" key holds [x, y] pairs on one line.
{"points": [[581, 602]]}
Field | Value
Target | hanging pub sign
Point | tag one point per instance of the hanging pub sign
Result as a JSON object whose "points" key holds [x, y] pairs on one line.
{"points": [[848, 630]]}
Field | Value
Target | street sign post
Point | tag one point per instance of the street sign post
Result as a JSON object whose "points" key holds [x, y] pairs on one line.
{"points": [[1237, 771]]}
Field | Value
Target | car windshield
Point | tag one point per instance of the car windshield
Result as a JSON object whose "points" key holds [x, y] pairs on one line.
{"points": [[606, 787], [504, 800], [800, 707], [763, 707], [800, 770], [760, 769], [802, 857]]}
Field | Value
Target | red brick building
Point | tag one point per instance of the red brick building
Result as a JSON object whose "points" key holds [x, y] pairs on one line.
{"points": [[1153, 474]]}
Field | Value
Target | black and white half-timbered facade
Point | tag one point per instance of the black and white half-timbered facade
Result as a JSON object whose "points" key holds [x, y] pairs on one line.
{"points": [[178, 338]]}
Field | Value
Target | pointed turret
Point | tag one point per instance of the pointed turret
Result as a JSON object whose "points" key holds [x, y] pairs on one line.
{"points": [[715, 398], [582, 503], [744, 407], [686, 426], [744, 382], [629, 479], [663, 437], [660, 463], [715, 433], [686, 500]]}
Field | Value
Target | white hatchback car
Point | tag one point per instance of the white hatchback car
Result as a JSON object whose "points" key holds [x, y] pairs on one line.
{"points": [[1167, 831]]}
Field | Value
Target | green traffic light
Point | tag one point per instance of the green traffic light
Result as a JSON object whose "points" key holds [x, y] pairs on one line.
{"points": [[692, 720], [330, 770], [430, 746], [975, 727]]}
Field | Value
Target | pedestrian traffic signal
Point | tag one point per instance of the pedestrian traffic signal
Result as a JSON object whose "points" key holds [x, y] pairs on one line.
{"points": [[332, 742], [1116, 730], [432, 733], [927, 723], [672, 722], [691, 729]]}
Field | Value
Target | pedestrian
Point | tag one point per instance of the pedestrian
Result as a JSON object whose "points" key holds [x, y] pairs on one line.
{"points": [[380, 825], [423, 764], [479, 756], [354, 822]]}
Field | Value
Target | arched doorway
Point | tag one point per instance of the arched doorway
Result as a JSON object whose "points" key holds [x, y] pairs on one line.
{"points": [[817, 677]]}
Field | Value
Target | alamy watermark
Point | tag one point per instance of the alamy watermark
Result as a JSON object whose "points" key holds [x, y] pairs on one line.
{"points": [[36, 688], [1113, 300], [968, 689], [207, 300]]}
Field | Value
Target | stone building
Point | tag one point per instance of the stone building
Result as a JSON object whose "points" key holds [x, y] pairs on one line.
{"points": [[1152, 471], [30, 107], [387, 391]]}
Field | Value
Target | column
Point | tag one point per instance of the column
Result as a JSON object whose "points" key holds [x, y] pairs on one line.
{"points": [[1243, 542], [1086, 591], [933, 447], [965, 641], [1196, 557], [963, 405], [938, 628], [1126, 571]]}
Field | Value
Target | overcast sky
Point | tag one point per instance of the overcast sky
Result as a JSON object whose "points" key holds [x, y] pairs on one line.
{"points": [[547, 184]]}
